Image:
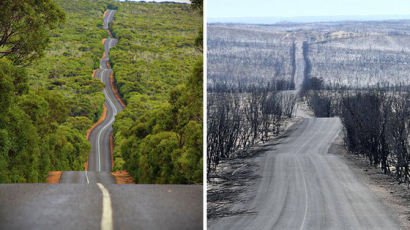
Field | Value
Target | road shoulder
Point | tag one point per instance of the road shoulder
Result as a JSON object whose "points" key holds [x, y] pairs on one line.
{"points": [[235, 181], [393, 195], [53, 177]]}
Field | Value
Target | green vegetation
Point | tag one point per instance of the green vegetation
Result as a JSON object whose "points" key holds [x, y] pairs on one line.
{"points": [[48, 104], [48, 99], [158, 137], [24, 26], [74, 52]]}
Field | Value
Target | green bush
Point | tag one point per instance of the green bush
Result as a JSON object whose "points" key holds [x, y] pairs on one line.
{"points": [[47, 107], [158, 137]]}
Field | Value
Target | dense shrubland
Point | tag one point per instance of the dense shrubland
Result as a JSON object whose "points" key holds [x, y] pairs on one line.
{"points": [[48, 104], [73, 53], [158, 72], [48, 99]]}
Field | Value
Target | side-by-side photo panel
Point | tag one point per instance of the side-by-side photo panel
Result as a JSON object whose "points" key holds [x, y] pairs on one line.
{"points": [[308, 115], [101, 114]]}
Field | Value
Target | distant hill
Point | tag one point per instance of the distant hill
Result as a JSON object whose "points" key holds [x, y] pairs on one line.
{"points": [[351, 54], [274, 20]]}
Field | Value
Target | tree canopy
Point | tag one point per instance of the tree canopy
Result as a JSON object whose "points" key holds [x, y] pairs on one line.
{"points": [[24, 28], [48, 103], [158, 71]]}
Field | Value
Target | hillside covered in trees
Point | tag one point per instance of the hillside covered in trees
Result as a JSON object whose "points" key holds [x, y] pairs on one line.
{"points": [[158, 72], [48, 97]]}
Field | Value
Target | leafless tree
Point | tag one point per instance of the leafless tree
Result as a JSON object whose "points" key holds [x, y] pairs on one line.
{"points": [[241, 115]]}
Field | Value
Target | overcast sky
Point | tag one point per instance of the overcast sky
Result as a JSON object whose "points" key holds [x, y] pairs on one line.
{"points": [[296, 8]]}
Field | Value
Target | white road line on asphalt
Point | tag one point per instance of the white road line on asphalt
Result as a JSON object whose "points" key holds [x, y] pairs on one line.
{"points": [[302, 226], [108, 124], [86, 177], [107, 96], [107, 17], [106, 20], [106, 217], [99, 133]]}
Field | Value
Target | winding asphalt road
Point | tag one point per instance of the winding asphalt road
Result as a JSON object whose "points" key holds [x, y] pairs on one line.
{"points": [[99, 159], [90, 199], [303, 187]]}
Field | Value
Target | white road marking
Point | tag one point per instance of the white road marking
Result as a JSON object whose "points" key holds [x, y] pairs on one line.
{"points": [[86, 177], [107, 125], [302, 226], [107, 96], [107, 19], [109, 44], [106, 217], [99, 133]]}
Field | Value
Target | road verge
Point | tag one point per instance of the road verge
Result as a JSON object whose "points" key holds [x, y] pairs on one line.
{"points": [[102, 118], [114, 89], [123, 177], [234, 178], [392, 194], [93, 74], [53, 177]]}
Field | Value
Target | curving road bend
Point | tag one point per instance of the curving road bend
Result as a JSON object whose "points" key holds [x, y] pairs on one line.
{"points": [[303, 187], [99, 159]]}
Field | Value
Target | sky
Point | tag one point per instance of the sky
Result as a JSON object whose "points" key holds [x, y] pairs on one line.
{"points": [[177, 1], [303, 8]]}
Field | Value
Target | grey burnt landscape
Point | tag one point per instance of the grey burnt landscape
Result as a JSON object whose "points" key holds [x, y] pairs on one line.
{"points": [[308, 125]]}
